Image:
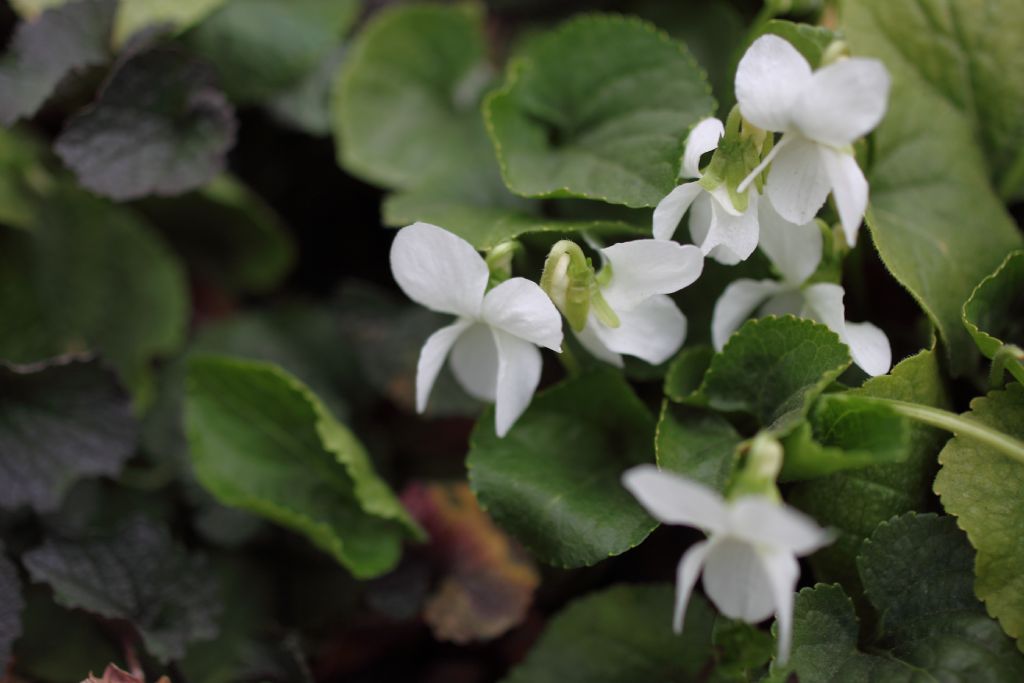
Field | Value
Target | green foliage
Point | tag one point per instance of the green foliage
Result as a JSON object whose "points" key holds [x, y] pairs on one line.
{"points": [[916, 570], [60, 422], [261, 47], [811, 41], [139, 574], [994, 313], [598, 108], [698, 444], [406, 102], [854, 502], [843, 432], [91, 275], [135, 15], [620, 635], [30, 72], [686, 372], [532, 481], [918, 215], [11, 605], [227, 234], [983, 489], [160, 126], [773, 368], [261, 441]]}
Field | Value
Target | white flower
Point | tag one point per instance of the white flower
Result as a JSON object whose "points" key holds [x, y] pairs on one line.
{"points": [[651, 326], [749, 560], [796, 251], [723, 233], [493, 343], [820, 114]]}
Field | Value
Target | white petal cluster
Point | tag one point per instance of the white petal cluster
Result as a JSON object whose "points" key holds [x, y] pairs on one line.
{"points": [[796, 251], [749, 558], [820, 114], [651, 327], [493, 341], [722, 231]]}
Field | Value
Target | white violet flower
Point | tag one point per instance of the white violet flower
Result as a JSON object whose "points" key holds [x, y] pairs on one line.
{"points": [[749, 559], [493, 342], [722, 232], [820, 114], [795, 250], [637, 278]]}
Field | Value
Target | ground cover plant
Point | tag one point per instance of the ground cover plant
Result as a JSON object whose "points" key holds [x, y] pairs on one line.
{"points": [[594, 342]]}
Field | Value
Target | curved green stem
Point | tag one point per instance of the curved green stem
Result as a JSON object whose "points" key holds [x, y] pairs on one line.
{"points": [[960, 426]]}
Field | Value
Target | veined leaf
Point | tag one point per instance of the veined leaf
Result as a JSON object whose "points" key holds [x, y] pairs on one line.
{"points": [[994, 315]]}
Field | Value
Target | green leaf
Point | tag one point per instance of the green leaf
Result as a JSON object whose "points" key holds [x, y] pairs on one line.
{"points": [[140, 575], [554, 481], [306, 104], [622, 634], [983, 489], [597, 108], [928, 182], [33, 69], [30, 9], [697, 443], [261, 47], [917, 574], [843, 432], [11, 605], [856, 501], [995, 312], [406, 102], [91, 274], [134, 15], [227, 234], [742, 651], [686, 372], [262, 442], [160, 126], [60, 422], [773, 368]]}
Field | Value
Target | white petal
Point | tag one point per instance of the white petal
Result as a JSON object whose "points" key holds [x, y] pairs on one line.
{"points": [[769, 79], [643, 268], [519, 307], [652, 331], [849, 188], [702, 139], [823, 301], [432, 356], [762, 522], [869, 348], [673, 499], [519, 366], [734, 306], [439, 270], [731, 238], [787, 301], [474, 362], [700, 218], [592, 343], [843, 101], [736, 582], [782, 571], [724, 200], [794, 249], [686, 578], [797, 185], [670, 210]]}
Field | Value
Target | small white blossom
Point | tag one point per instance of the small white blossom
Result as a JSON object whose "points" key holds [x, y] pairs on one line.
{"points": [[749, 559], [722, 232], [650, 325], [795, 250], [493, 342], [820, 114]]}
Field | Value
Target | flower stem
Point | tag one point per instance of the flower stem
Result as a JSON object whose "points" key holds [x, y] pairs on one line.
{"points": [[960, 426]]}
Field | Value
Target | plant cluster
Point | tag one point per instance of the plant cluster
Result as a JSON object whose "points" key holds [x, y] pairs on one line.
{"points": [[752, 270]]}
